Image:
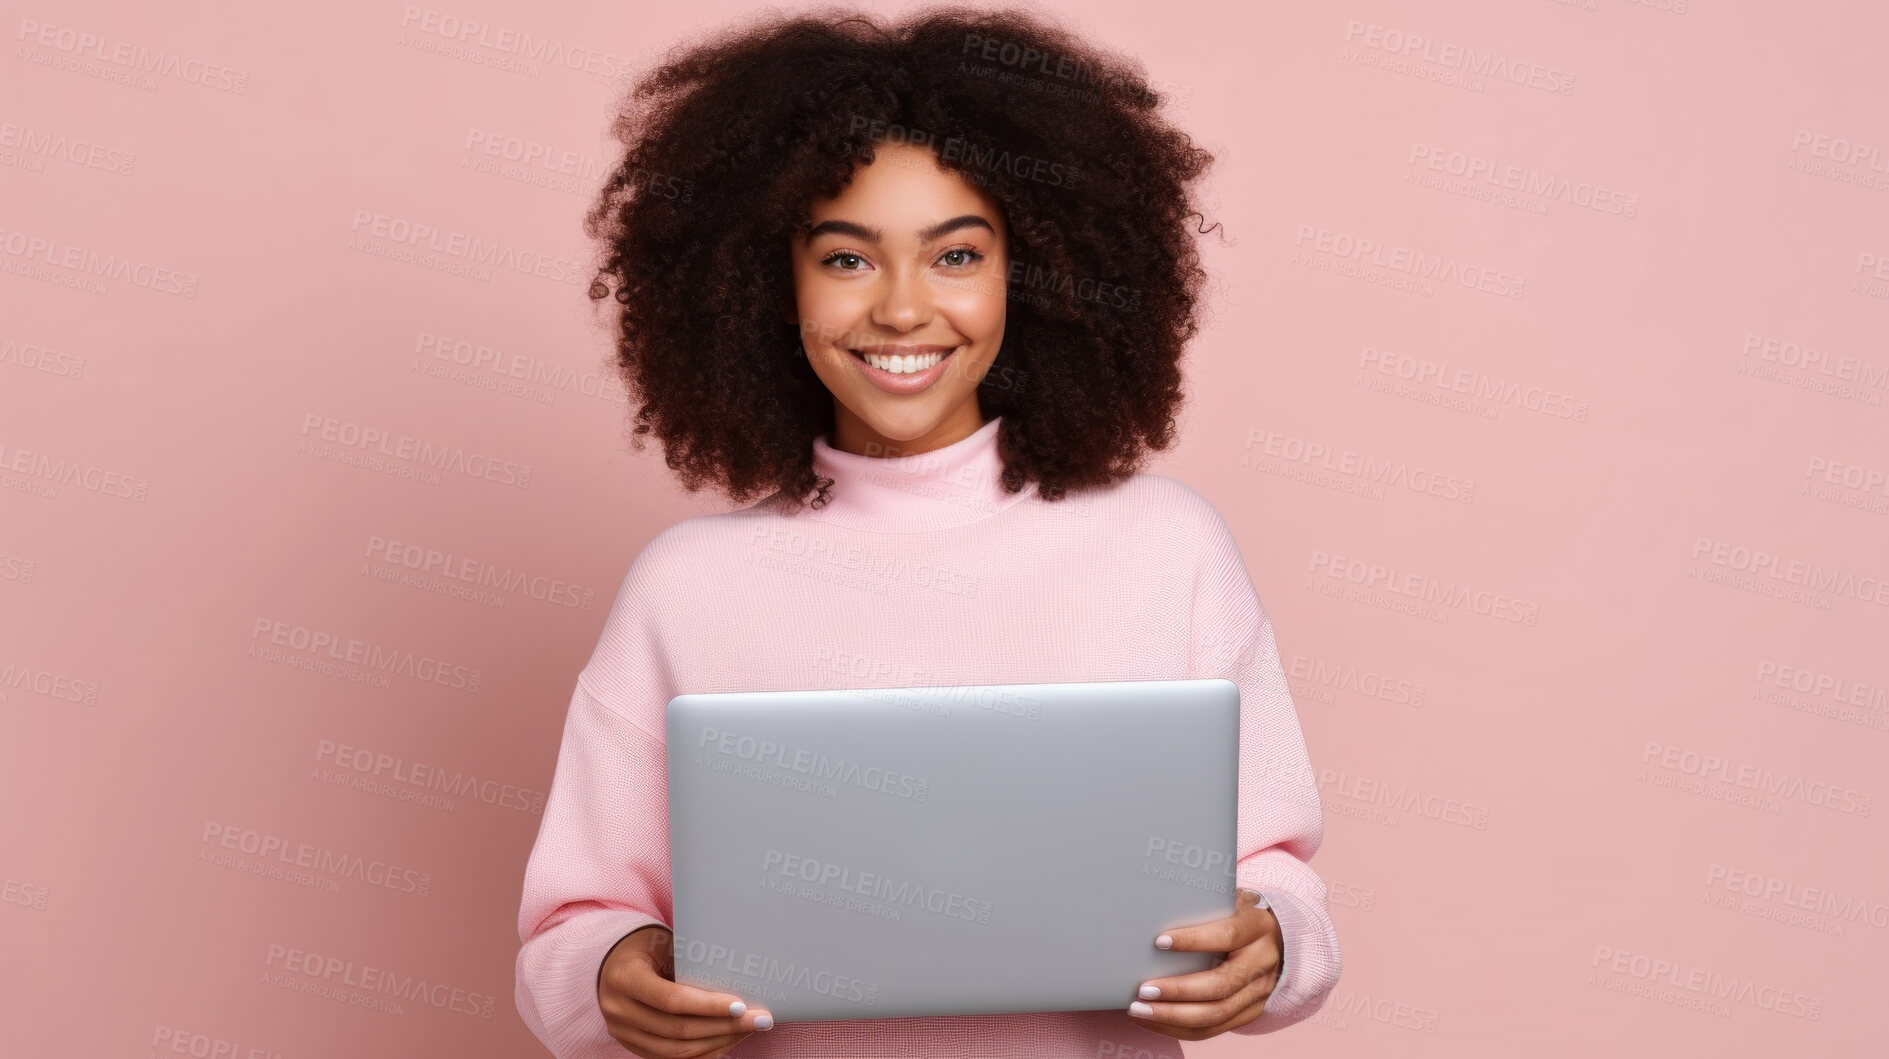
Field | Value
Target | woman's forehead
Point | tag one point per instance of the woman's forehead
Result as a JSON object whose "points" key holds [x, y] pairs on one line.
{"points": [[903, 192]]}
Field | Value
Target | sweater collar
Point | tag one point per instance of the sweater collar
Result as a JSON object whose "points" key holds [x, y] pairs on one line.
{"points": [[950, 486]]}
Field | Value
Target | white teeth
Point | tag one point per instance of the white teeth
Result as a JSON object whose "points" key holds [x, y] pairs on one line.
{"points": [[902, 365]]}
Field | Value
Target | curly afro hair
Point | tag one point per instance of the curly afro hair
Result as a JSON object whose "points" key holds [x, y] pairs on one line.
{"points": [[728, 141]]}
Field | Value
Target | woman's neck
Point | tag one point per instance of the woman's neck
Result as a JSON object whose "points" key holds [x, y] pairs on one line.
{"points": [[853, 434]]}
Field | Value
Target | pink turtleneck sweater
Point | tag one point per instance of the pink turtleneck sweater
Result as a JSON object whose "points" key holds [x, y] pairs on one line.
{"points": [[921, 570]]}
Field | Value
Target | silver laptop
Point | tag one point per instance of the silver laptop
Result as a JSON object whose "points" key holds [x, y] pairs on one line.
{"points": [[950, 850]]}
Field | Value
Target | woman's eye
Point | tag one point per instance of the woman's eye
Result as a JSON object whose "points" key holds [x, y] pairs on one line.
{"points": [[970, 256], [842, 255]]}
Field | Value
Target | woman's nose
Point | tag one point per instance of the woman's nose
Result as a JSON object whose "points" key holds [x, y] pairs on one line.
{"points": [[904, 303]]}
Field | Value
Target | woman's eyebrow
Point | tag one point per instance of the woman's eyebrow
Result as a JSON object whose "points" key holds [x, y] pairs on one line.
{"points": [[874, 235]]}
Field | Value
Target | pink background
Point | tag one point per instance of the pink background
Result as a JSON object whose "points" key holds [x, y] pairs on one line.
{"points": [[1569, 806]]}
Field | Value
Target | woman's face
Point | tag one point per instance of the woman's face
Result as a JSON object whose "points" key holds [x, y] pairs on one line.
{"points": [[908, 262]]}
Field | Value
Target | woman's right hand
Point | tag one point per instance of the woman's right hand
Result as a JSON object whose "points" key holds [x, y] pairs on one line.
{"points": [[654, 1016]]}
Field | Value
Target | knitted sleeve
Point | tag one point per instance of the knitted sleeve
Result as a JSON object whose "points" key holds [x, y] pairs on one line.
{"points": [[600, 866], [1280, 825]]}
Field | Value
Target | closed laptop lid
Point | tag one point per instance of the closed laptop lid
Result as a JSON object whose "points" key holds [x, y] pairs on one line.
{"points": [[891, 853]]}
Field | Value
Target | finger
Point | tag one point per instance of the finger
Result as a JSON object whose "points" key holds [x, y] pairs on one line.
{"points": [[630, 1011], [639, 980], [1239, 985], [1210, 1016], [1220, 935], [678, 1012], [1240, 1017], [1242, 966], [650, 1044]]}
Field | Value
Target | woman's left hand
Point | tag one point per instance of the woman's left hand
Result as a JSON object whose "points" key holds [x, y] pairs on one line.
{"points": [[1193, 1007]]}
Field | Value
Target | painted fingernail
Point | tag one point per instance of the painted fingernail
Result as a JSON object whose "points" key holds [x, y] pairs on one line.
{"points": [[763, 1022], [1150, 992], [1139, 1008], [737, 1008], [1165, 941]]}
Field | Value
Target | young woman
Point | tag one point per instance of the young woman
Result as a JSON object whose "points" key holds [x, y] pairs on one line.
{"points": [[923, 288]]}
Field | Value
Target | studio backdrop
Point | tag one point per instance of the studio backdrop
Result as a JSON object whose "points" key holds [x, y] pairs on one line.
{"points": [[1543, 383]]}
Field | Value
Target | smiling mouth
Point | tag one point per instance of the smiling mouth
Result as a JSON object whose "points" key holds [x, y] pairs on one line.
{"points": [[904, 364]]}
